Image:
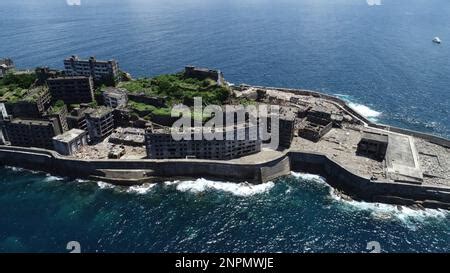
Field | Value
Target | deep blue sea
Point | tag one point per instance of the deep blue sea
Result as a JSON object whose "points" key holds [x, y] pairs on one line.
{"points": [[379, 57]]}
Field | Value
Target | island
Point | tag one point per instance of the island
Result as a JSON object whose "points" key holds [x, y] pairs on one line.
{"points": [[92, 120]]}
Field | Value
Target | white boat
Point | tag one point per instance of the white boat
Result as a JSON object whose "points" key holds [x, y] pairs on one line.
{"points": [[436, 40]]}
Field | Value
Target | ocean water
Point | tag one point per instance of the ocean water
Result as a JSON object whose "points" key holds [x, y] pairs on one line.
{"points": [[299, 213], [379, 58]]}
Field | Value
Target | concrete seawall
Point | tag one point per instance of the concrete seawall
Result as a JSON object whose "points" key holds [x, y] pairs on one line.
{"points": [[362, 188], [129, 172], [145, 170], [337, 101]]}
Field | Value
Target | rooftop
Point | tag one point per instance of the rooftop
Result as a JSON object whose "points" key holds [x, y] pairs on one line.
{"points": [[114, 92], [20, 94], [98, 112], [62, 78], [92, 58], [375, 137], [31, 121], [69, 135]]}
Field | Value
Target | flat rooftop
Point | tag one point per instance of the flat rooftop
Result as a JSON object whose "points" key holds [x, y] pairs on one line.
{"points": [[70, 135], [114, 91], [98, 112], [375, 137], [31, 121], [66, 78]]}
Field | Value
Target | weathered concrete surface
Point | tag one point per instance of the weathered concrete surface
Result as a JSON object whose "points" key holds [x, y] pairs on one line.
{"points": [[361, 188], [143, 169], [259, 170], [128, 172], [402, 160]]}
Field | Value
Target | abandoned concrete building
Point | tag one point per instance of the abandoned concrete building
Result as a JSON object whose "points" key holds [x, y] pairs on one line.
{"points": [[32, 133], [150, 100], [315, 128], [115, 97], [318, 122], [70, 142], [6, 65], [60, 113], [106, 72], [32, 104], [161, 145], [116, 152], [45, 73], [72, 90], [204, 73], [99, 122], [287, 126], [128, 136], [373, 145], [76, 119]]}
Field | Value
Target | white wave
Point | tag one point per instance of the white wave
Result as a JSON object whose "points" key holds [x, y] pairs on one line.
{"points": [[406, 215], [14, 169], [104, 185], [365, 111], [50, 178], [308, 176], [79, 180], [240, 189], [18, 169], [141, 189], [410, 217], [169, 183]]}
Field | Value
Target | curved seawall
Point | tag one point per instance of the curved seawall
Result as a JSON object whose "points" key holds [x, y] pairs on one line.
{"points": [[365, 189], [144, 170], [341, 103], [129, 172]]}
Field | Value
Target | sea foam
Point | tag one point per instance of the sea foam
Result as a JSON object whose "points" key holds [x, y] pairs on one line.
{"points": [[141, 189], [239, 189], [104, 185], [408, 216], [365, 111], [51, 178]]}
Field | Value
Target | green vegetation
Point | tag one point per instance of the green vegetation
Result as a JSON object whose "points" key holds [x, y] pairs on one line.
{"points": [[243, 101], [141, 107], [93, 104], [18, 80], [56, 107], [178, 89], [146, 110], [59, 104], [15, 87], [174, 89]]}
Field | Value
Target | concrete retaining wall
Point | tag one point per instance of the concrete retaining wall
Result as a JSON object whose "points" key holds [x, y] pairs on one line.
{"points": [[431, 138], [363, 188], [360, 188], [49, 161]]}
